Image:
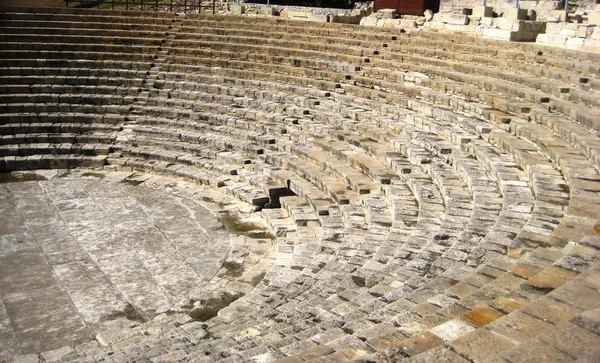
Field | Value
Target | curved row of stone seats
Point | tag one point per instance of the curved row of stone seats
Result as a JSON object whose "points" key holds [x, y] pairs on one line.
{"points": [[348, 285], [83, 14], [75, 95], [555, 119], [580, 114], [378, 39], [317, 178], [414, 45]]}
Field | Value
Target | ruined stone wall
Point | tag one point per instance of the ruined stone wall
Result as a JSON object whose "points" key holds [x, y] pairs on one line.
{"points": [[538, 5]]}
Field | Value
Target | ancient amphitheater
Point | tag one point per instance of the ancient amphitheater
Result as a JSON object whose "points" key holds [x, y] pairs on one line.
{"points": [[218, 188]]}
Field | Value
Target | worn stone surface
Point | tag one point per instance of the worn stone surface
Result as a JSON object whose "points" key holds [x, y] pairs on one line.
{"points": [[249, 188], [93, 255]]}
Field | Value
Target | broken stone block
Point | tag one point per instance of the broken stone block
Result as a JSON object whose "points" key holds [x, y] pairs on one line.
{"points": [[428, 15], [560, 16]]}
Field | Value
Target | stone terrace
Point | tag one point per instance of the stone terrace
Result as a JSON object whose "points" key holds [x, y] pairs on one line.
{"points": [[388, 196]]}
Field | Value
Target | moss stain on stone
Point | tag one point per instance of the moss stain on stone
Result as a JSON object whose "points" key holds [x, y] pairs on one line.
{"points": [[232, 269], [20, 177], [235, 225]]}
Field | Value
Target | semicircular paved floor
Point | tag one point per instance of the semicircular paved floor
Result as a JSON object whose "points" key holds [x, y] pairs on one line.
{"points": [[81, 256]]}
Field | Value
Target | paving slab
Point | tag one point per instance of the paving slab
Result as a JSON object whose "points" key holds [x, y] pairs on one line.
{"points": [[78, 257]]}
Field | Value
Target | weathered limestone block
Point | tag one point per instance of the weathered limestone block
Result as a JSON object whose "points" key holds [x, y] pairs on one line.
{"points": [[570, 32], [305, 15], [428, 15], [396, 23], [486, 21], [346, 19], [591, 45], [500, 34], [554, 28], [549, 5], [528, 4], [506, 23], [457, 19], [483, 11], [594, 18], [516, 14], [551, 39], [237, 9], [267, 10], [439, 17], [386, 14], [559, 15], [575, 43], [585, 31], [368, 21]]}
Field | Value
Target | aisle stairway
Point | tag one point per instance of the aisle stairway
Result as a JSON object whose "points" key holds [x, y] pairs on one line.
{"points": [[434, 197]]}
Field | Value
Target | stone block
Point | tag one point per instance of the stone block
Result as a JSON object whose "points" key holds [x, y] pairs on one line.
{"points": [[594, 18], [559, 16], [388, 23], [452, 329], [486, 21], [457, 19], [346, 19], [368, 21], [591, 45], [585, 31], [386, 14], [515, 13], [528, 4], [267, 10], [548, 5], [483, 11], [238, 9], [551, 39], [305, 15], [553, 28], [439, 17], [428, 15], [570, 33], [506, 24], [499, 34]]}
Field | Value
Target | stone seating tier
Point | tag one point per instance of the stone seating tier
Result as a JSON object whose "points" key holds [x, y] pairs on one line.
{"points": [[427, 200]]}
